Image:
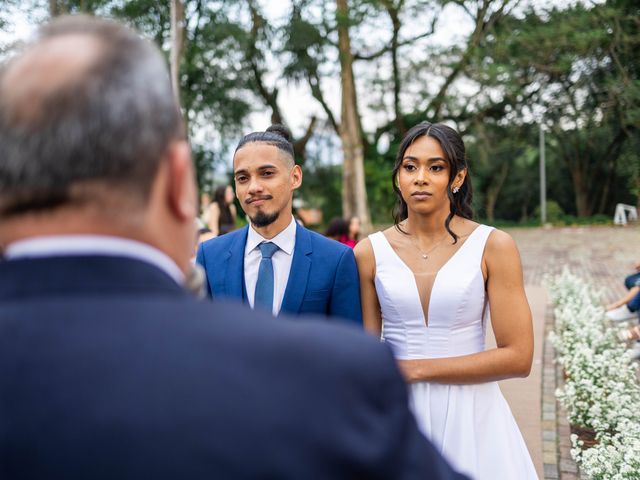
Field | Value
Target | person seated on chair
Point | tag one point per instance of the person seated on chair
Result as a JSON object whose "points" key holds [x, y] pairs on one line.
{"points": [[628, 306]]}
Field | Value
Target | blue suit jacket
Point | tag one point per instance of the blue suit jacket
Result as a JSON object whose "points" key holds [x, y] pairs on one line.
{"points": [[110, 370], [323, 278]]}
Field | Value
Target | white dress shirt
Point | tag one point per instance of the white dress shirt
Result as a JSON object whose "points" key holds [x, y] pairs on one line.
{"points": [[66, 245], [286, 242]]}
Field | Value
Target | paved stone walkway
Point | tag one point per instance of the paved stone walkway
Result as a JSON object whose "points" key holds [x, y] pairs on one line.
{"points": [[601, 255]]}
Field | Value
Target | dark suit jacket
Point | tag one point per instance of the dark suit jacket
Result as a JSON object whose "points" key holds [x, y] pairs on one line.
{"points": [[109, 370], [323, 277]]}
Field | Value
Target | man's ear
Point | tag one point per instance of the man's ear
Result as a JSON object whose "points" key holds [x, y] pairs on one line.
{"points": [[181, 192], [296, 177]]}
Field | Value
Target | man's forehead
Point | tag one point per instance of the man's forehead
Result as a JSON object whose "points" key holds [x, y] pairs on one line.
{"points": [[256, 156]]}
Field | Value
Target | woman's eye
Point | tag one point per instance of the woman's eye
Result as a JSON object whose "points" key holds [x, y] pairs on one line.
{"points": [[410, 168], [437, 168]]}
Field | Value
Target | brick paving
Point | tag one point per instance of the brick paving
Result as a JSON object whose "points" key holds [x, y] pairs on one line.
{"points": [[601, 255]]}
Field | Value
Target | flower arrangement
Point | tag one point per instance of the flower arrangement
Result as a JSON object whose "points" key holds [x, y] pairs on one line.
{"points": [[601, 391]]}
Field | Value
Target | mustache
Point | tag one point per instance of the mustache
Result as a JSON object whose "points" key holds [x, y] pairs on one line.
{"points": [[260, 197]]}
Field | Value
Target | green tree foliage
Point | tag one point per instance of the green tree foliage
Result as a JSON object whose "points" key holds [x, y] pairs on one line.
{"points": [[577, 67]]}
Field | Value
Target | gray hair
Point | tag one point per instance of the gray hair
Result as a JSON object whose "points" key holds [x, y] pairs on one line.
{"points": [[109, 126]]}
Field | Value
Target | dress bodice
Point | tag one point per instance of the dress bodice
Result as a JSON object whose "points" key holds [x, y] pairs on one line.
{"points": [[457, 309]]}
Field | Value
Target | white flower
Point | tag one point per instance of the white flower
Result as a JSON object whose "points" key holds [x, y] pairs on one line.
{"points": [[601, 390]]}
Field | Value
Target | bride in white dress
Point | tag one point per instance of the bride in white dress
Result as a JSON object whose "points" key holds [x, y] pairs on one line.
{"points": [[428, 284]]}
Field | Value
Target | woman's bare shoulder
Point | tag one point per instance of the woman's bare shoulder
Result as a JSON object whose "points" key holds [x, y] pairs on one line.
{"points": [[499, 240], [363, 249], [501, 249]]}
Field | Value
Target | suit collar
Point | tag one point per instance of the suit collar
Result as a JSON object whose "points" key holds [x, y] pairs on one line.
{"points": [[299, 274], [93, 245], [82, 274], [234, 265]]}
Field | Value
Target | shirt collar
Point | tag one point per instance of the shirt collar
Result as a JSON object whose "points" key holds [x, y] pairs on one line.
{"points": [[285, 240], [64, 245]]}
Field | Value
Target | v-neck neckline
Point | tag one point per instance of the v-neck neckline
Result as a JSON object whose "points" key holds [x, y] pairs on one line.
{"points": [[427, 315]]}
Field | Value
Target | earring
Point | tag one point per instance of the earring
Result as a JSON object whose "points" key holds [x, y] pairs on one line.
{"points": [[455, 189]]}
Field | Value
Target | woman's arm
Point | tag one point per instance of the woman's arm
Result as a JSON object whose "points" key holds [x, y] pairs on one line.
{"points": [[365, 259], [214, 216], [511, 321]]}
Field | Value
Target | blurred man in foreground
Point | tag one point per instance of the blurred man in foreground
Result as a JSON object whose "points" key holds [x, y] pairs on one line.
{"points": [[108, 367]]}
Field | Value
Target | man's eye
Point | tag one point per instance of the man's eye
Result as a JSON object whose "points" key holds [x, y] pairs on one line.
{"points": [[241, 179]]}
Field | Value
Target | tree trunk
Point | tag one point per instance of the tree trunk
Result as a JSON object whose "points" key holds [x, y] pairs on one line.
{"points": [[354, 193], [581, 190], [177, 44], [494, 191], [392, 11], [57, 7]]}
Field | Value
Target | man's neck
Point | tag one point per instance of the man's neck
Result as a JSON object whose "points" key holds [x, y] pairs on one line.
{"points": [[275, 228]]}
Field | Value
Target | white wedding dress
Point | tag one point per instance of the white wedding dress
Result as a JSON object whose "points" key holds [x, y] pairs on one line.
{"points": [[471, 425]]}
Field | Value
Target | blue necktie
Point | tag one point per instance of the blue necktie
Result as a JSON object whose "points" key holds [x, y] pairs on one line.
{"points": [[264, 286]]}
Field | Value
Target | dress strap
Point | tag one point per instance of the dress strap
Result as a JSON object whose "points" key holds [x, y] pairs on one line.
{"points": [[381, 248], [477, 243]]}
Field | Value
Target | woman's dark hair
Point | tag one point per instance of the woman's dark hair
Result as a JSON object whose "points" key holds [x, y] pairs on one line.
{"points": [[276, 135], [337, 228], [226, 217], [454, 151]]}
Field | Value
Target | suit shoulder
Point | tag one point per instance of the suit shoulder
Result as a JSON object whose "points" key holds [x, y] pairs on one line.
{"points": [[223, 241]]}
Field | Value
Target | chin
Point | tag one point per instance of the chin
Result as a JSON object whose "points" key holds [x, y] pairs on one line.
{"points": [[422, 209], [263, 219]]}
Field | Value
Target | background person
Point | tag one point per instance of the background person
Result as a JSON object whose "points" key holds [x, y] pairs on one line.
{"points": [[108, 367], [627, 307], [222, 211], [354, 231], [343, 231]]}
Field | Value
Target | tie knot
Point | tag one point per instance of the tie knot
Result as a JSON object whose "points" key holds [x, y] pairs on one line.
{"points": [[268, 249]]}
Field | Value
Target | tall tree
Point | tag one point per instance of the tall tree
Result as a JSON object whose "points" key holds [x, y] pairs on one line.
{"points": [[354, 193], [177, 44], [579, 65]]}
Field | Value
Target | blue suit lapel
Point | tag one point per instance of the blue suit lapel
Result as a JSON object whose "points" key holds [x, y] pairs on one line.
{"points": [[299, 274], [234, 266]]}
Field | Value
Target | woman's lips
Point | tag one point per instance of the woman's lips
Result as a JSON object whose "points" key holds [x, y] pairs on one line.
{"points": [[420, 195]]}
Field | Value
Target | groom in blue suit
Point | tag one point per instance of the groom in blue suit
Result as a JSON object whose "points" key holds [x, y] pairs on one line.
{"points": [[274, 263]]}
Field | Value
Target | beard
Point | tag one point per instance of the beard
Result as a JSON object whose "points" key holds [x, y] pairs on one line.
{"points": [[262, 219]]}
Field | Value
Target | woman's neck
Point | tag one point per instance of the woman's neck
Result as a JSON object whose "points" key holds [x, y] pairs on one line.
{"points": [[428, 225]]}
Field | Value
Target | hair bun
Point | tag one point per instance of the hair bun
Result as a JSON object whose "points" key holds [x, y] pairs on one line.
{"points": [[280, 130]]}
